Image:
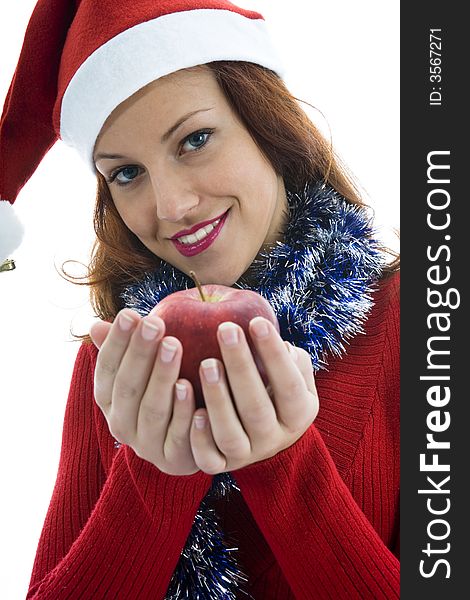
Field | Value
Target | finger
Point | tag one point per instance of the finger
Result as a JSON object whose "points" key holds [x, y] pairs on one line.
{"points": [[132, 377], [177, 443], [99, 332], [293, 401], [304, 363], [110, 356], [254, 406], [205, 452], [227, 430], [156, 405]]}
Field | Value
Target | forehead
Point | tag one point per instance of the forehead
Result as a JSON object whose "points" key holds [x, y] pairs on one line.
{"points": [[168, 98]]}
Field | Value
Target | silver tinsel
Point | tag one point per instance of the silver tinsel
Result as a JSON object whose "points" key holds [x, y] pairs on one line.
{"points": [[319, 281]]}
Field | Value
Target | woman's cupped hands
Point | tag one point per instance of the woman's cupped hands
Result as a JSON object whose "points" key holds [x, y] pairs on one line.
{"points": [[149, 408]]}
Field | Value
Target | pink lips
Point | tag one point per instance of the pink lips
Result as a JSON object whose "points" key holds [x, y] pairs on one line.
{"points": [[200, 246]]}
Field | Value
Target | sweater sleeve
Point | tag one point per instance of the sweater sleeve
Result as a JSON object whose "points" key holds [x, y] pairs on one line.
{"points": [[324, 543], [320, 537], [109, 534]]}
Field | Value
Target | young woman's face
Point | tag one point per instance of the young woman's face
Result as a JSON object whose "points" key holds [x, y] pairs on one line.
{"points": [[187, 178]]}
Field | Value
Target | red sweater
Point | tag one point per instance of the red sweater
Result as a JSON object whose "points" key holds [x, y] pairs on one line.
{"points": [[318, 520]]}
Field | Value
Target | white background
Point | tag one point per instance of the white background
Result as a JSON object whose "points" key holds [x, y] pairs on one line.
{"points": [[341, 56]]}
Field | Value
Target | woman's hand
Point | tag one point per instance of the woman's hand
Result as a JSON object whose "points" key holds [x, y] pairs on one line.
{"points": [[137, 388], [233, 433]]}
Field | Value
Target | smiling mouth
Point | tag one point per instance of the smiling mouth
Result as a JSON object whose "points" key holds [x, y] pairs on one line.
{"points": [[198, 241], [199, 235]]}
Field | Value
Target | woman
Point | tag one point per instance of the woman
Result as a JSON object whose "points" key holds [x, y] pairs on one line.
{"points": [[215, 169]]}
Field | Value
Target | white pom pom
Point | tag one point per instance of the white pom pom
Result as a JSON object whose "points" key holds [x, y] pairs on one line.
{"points": [[11, 230]]}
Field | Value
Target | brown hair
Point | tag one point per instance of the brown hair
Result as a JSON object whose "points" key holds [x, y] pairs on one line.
{"points": [[284, 133]]}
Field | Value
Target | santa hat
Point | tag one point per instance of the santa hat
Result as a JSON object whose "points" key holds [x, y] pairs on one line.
{"points": [[82, 58]]}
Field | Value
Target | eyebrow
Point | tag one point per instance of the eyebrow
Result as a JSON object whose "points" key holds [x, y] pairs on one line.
{"points": [[180, 122], [164, 137]]}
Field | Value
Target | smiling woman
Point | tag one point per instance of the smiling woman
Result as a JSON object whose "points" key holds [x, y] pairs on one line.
{"points": [[206, 168], [206, 162]]}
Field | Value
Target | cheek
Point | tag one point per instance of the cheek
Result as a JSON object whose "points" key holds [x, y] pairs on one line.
{"points": [[241, 169], [126, 215], [135, 216]]}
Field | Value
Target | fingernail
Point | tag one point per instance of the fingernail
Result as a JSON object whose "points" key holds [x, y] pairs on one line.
{"points": [[199, 422], [229, 333], [259, 327], [149, 330], [125, 322], [168, 351], [210, 369], [181, 391]]}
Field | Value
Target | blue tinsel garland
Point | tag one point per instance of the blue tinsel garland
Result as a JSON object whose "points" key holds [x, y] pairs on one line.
{"points": [[319, 281]]}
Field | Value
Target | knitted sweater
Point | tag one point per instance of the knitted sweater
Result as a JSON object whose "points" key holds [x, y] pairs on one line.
{"points": [[318, 520]]}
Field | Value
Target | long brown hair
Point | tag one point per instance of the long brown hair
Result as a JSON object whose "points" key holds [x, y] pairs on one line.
{"points": [[294, 146]]}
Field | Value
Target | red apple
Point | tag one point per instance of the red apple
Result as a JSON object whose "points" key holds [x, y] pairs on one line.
{"points": [[194, 315]]}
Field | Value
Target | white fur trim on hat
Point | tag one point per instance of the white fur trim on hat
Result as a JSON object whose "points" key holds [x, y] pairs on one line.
{"points": [[11, 230], [148, 51]]}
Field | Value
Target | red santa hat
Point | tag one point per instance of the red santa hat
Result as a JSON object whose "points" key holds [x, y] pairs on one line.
{"points": [[82, 58]]}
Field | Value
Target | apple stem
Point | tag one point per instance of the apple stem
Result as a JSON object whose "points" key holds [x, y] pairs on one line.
{"points": [[198, 285]]}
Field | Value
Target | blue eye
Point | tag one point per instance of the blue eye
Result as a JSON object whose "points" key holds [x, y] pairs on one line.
{"points": [[124, 175], [196, 140]]}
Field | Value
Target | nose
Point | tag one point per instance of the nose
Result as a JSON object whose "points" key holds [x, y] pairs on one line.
{"points": [[174, 197]]}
